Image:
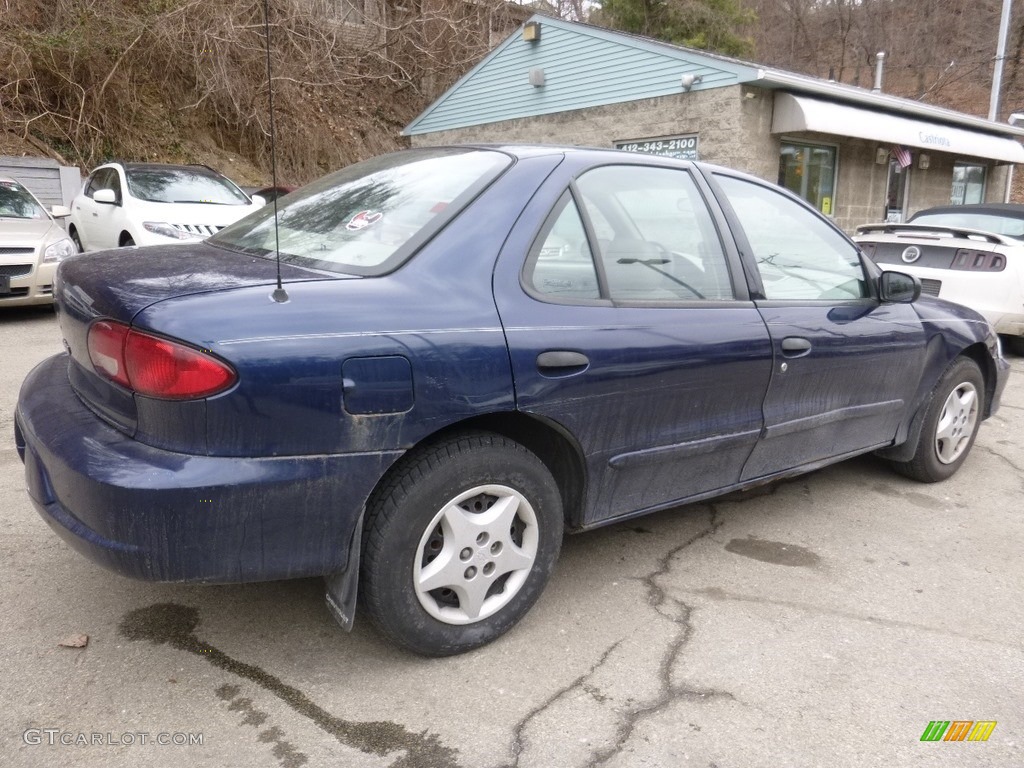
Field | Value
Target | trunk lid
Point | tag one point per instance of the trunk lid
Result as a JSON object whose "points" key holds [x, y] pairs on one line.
{"points": [[119, 284]]}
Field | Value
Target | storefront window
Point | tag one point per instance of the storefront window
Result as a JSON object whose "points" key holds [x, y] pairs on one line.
{"points": [[968, 184], [809, 170], [896, 191]]}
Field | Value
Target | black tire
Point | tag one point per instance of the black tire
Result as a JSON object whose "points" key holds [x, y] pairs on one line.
{"points": [[951, 421], [127, 241], [436, 508], [76, 240]]}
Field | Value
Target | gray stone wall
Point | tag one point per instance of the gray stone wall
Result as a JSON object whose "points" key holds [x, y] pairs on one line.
{"points": [[995, 188], [732, 130], [733, 125]]}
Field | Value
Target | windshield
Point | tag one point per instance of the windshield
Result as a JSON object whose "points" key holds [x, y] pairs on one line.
{"points": [[368, 218], [183, 185], [987, 222], [16, 202]]}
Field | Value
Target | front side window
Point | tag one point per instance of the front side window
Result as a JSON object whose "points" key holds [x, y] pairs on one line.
{"points": [[799, 255], [367, 218], [104, 178], [968, 184], [809, 171], [156, 184]]}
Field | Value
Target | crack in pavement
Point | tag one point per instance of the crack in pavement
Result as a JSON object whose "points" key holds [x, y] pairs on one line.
{"points": [[998, 455], [719, 594], [517, 731], [680, 614], [628, 716]]}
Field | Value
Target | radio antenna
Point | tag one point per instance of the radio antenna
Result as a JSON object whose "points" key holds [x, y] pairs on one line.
{"points": [[280, 295]]}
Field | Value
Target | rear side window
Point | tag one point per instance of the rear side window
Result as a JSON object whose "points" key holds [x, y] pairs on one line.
{"points": [[563, 266], [1009, 226], [652, 239], [368, 218]]}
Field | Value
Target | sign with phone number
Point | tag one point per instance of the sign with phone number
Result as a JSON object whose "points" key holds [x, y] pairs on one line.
{"points": [[679, 147]]}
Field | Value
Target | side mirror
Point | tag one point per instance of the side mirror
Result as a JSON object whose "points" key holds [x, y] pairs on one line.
{"points": [[105, 196], [898, 288], [60, 211], [259, 200]]}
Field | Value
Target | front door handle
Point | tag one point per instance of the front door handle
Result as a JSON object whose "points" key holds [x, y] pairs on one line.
{"points": [[795, 346], [562, 362]]}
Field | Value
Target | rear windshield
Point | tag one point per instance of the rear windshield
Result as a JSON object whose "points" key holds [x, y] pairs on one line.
{"points": [[986, 222], [17, 203], [368, 218], [183, 185]]}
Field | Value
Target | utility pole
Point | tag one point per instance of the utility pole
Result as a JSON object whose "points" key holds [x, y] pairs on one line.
{"points": [[997, 75]]}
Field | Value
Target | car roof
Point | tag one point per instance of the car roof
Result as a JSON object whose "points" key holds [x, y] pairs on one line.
{"points": [[1011, 210], [522, 151], [195, 167]]}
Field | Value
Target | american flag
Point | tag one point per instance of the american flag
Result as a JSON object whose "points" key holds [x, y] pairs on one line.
{"points": [[902, 155]]}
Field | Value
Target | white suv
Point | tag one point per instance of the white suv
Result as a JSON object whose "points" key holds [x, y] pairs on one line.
{"points": [[32, 244], [154, 204]]}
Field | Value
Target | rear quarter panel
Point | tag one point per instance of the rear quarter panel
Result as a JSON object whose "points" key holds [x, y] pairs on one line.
{"points": [[437, 311]]}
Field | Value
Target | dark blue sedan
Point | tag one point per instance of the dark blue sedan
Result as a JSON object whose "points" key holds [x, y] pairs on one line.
{"points": [[440, 360]]}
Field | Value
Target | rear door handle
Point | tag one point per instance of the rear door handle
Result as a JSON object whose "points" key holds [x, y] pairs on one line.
{"points": [[562, 362], [795, 346]]}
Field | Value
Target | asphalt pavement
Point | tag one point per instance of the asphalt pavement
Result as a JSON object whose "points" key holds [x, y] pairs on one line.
{"points": [[826, 621]]}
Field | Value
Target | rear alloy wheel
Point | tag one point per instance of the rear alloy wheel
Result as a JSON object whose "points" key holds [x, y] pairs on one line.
{"points": [[951, 423], [459, 543]]}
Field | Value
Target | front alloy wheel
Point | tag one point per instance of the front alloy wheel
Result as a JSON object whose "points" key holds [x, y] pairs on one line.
{"points": [[951, 420], [956, 423]]}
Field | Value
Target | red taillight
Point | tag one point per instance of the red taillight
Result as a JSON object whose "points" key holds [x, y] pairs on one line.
{"points": [[106, 350], [154, 366]]}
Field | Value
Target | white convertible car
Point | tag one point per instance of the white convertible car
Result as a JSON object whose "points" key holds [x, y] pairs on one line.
{"points": [[969, 254]]}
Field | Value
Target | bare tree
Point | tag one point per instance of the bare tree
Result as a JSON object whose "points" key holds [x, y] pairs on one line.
{"points": [[102, 78]]}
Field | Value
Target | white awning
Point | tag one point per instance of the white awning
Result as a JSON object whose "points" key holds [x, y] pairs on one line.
{"points": [[800, 113]]}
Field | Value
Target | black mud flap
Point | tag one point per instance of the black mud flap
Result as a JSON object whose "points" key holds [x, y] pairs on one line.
{"points": [[342, 586]]}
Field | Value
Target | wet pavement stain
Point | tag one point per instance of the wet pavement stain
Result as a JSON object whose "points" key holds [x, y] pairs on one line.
{"points": [[774, 552], [175, 625], [287, 755]]}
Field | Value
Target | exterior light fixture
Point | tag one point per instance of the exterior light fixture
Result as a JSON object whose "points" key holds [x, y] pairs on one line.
{"points": [[537, 77], [688, 81], [531, 32], [881, 156], [924, 162]]}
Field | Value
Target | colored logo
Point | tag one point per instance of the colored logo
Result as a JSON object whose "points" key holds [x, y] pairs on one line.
{"points": [[911, 254], [958, 730], [363, 219]]}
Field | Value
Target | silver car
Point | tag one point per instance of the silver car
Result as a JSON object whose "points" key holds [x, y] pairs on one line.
{"points": [[32, 243]]}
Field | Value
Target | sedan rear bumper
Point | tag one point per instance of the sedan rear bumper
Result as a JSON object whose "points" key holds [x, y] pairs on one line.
{"points": [[164, 516]]}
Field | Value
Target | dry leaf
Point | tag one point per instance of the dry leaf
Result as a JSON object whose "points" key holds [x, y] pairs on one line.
{"points": [[74, 641]]}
